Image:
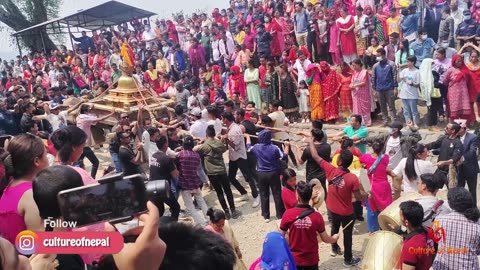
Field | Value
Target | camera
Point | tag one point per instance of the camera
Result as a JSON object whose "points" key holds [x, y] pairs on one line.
{"points": [[113, 199]]}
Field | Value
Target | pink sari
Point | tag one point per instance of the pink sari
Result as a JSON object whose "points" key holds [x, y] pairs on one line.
{"points": [[361, 96], [381, 191]]}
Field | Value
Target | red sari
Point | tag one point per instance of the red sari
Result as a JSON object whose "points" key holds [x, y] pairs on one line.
{"points": [[101, 60], [236, 83], [151, 77], [172, 31], [473, 73], [347, 39], [331, 88], [346, 102], [216, 76], [278, 41]]}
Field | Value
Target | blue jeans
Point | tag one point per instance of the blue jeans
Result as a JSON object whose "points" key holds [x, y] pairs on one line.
{"points": [[410, 110], [201, 174], [372, 220], [116, 162]]}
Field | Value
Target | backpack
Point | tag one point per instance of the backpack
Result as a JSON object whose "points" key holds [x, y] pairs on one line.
{"points": [[305, 16], [431, 216]]}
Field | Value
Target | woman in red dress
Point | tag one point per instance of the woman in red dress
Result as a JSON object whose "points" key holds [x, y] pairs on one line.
{"points": [[27, 76], [101, 58], [217, 76], [236, 83], [172, 31], [331, 89], [347, 37], [274, 26], [472, 69]]}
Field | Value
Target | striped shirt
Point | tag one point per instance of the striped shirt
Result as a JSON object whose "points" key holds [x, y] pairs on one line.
{"points": [[188, 177], [461, 246]]}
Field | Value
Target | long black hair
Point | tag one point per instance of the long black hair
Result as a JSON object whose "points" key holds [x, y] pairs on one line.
{"points": [[410, 164], [65, 139], [406, 48]]}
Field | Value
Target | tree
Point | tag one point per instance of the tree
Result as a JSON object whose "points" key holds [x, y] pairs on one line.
{"points": [[20, 14]]}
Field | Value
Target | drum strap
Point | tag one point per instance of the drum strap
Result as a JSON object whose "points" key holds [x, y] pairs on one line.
{"points": [[304, 214], [434, 210]]}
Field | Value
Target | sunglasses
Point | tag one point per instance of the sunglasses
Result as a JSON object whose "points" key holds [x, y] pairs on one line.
{"points": [[124, 117]]}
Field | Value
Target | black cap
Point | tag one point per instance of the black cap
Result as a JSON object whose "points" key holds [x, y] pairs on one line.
{"points": [[396, 124]]}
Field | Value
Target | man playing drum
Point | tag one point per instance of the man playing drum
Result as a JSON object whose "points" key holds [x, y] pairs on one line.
{"points": [[341, 185]]}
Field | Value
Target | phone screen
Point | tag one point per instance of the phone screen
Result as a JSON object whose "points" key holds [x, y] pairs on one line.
{"points": [[104, 202]]}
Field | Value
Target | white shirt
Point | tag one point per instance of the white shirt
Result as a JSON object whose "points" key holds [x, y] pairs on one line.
{"points": [[421, 167], [361, 25], [301, 69], [199, 128], [229, 50], [463, 138], [217, 125], [191, 99], [215, 50], [279, 118], [149, 35], [57, 121], [115, 59], [235, 135]]}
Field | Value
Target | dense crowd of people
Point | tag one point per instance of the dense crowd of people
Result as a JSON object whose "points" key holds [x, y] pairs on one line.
{"points": [[241, 78]]}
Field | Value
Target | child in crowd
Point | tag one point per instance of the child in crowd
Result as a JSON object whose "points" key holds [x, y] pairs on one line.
{"points": [[303, 101]]}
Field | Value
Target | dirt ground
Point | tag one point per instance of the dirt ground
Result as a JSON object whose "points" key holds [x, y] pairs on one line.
{"points": [[250, 229]]}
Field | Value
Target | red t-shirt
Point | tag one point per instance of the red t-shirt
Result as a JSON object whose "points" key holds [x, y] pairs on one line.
{"points": [[289, 198], [339, 199], [303, 234], [416, 252]]}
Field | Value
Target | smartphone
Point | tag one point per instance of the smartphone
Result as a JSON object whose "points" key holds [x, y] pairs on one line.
{"points": [[114, 199]]}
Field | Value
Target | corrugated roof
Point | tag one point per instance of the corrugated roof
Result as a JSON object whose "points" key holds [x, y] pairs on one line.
{"points": [[108, 13]]}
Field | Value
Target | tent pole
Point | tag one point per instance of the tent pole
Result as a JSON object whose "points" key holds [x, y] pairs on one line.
{"points": [[43, 43], [70, 36], [18, 45]]}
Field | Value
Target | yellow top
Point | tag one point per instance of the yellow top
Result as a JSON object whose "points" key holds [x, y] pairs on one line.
{"points": [[162, 66], [240, 37], [356, 165], [393, 25]]}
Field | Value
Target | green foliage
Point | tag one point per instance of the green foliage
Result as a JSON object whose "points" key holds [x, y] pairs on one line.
{"points": [[27, 6]]}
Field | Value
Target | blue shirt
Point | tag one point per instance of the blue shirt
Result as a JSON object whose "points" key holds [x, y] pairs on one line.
{"points": [[422, 50], [467, 29], [361, 133], [409, 24], [268, 155], [301, 22], [384, 76], [85, 43]]}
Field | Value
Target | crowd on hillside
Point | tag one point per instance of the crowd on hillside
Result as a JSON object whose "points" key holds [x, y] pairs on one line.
{"points": [[241, 78]]}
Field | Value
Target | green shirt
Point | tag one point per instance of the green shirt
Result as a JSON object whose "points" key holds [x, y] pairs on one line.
{"points": [[361, 133], [212, 151]]}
